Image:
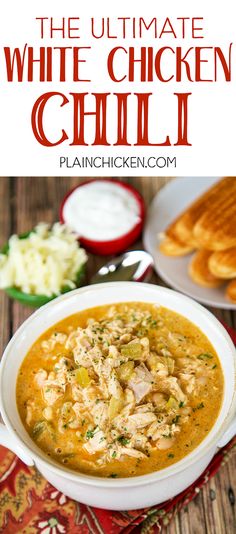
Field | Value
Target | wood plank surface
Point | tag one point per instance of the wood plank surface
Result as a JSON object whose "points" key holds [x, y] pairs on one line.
{"points": [[26, 201]]}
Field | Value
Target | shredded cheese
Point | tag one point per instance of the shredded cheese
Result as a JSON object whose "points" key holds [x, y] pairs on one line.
{"points": [[44, 262]]}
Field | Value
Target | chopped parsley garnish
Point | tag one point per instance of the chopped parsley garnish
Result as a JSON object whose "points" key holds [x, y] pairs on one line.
{"points": [[199, 406], [90, 433], [123, 440], [181, 404], [113, 454], [205, 356], [176, 419], [153, 323], [170, 455], [214, 366], [113, 475]]}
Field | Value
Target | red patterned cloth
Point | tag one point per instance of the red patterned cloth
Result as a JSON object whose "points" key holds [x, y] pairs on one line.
{"points": [[29, 504]]}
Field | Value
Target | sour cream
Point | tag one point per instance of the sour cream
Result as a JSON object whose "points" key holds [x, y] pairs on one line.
{"points": [[101, 211]]}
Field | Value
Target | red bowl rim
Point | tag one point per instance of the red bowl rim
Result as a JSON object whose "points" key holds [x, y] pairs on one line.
{"points": [[128, 187]]}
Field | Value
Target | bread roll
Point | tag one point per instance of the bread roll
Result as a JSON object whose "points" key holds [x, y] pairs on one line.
{"points": [[223, 263], [183, 227], [215, 229], [199, 271], [173, 247]]}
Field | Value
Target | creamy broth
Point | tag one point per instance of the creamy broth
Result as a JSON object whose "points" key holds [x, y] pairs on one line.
{"points": [[120, 390]]}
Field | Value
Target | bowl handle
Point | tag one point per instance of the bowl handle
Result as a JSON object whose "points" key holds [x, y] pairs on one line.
{"points": [[8, 441], [229, 434]]}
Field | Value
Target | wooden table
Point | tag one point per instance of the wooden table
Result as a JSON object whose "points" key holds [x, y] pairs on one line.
{"points": [[23, 203]]}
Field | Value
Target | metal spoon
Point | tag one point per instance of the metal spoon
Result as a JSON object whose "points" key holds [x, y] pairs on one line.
{"points": [[135, 265]]}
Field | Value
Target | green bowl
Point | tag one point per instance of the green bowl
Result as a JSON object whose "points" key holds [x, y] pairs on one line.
{"points": [[36, 301]]}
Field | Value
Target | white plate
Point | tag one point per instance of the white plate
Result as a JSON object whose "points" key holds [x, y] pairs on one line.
{"points": [[167, 204]]}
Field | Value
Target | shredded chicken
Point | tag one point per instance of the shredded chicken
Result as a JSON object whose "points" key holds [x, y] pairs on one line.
{"points": [[141, 382], [96, 443]]}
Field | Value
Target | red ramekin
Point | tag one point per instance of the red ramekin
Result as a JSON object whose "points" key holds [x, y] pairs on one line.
{"points": [[118, 245]]}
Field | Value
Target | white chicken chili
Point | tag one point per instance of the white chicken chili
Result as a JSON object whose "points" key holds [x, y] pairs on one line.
{"points": [[120, 390]]}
